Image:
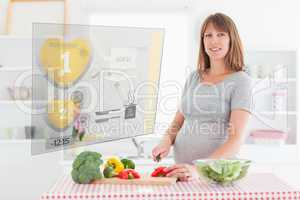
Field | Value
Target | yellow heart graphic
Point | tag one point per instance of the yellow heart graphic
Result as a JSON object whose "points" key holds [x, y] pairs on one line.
{"points": [[65, 62], [61, 113]]}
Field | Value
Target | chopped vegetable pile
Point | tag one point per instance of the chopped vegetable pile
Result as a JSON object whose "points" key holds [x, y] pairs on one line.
{"points": [[86, 168]]}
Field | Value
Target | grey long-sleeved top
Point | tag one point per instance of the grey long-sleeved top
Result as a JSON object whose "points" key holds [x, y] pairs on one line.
{"points": [[206, 109]]}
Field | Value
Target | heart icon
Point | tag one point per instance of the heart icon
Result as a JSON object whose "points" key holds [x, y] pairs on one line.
{"points": [[61, 113], [65, 62]]}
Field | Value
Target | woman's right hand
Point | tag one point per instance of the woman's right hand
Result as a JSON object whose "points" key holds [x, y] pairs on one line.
{"points": [[161, 150]]}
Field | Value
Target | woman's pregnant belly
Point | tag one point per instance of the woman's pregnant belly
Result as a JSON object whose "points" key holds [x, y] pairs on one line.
{"points": [[197, 139]]}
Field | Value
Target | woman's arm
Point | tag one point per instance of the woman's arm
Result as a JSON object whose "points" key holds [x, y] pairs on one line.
{"points": [[236, 131], [174, 128], [163, 148]]}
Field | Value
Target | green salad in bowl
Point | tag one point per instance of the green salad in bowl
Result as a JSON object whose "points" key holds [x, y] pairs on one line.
{"points": [[222, 171]]}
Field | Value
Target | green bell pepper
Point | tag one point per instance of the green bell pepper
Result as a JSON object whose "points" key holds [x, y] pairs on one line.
{"points": [[128, 164]]}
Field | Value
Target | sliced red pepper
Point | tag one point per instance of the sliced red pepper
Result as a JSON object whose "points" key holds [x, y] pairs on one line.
{"points": [[160, 172], [128, 174], [134, 173], [123, 175]]}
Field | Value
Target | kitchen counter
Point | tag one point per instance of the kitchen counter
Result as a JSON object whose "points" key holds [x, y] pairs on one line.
{"points": [[264, 181], [254, 186], [289, 172]]}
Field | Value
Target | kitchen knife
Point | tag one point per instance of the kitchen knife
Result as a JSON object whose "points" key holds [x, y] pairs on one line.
{"points": [[157, 159]]}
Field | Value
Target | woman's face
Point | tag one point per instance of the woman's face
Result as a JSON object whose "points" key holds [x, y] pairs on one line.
{"points": [[216, 42]]}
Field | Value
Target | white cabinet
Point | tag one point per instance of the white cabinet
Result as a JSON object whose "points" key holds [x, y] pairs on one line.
{"points": [[275, 91], [274, 104]]}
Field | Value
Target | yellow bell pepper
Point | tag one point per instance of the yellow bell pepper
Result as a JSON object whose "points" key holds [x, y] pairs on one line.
{"points": [[115, 163]]}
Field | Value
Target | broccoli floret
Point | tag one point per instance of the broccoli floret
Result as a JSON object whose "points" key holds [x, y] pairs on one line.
{"points": [[86, 167]]}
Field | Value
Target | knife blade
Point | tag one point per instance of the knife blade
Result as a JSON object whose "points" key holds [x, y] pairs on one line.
{"points": [[157, 159]]}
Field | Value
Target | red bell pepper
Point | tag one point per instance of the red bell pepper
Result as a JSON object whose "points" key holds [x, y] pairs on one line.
{"points": [[160, 172], [129, 174]]}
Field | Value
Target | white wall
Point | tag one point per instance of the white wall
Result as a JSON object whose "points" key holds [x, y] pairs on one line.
{"points": [[263, 25]]}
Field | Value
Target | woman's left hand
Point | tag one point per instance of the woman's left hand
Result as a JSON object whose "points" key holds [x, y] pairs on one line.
{"points": [[183, 172]]}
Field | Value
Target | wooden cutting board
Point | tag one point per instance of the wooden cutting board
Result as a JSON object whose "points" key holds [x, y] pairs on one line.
{"points": [[144, 180]]}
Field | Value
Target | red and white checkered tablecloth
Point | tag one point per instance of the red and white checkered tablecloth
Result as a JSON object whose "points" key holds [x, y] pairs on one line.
{"points": [[253, 187]]}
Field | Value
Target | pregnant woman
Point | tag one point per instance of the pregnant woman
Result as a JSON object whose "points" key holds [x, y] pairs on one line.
{"points": [[215, 103]]}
